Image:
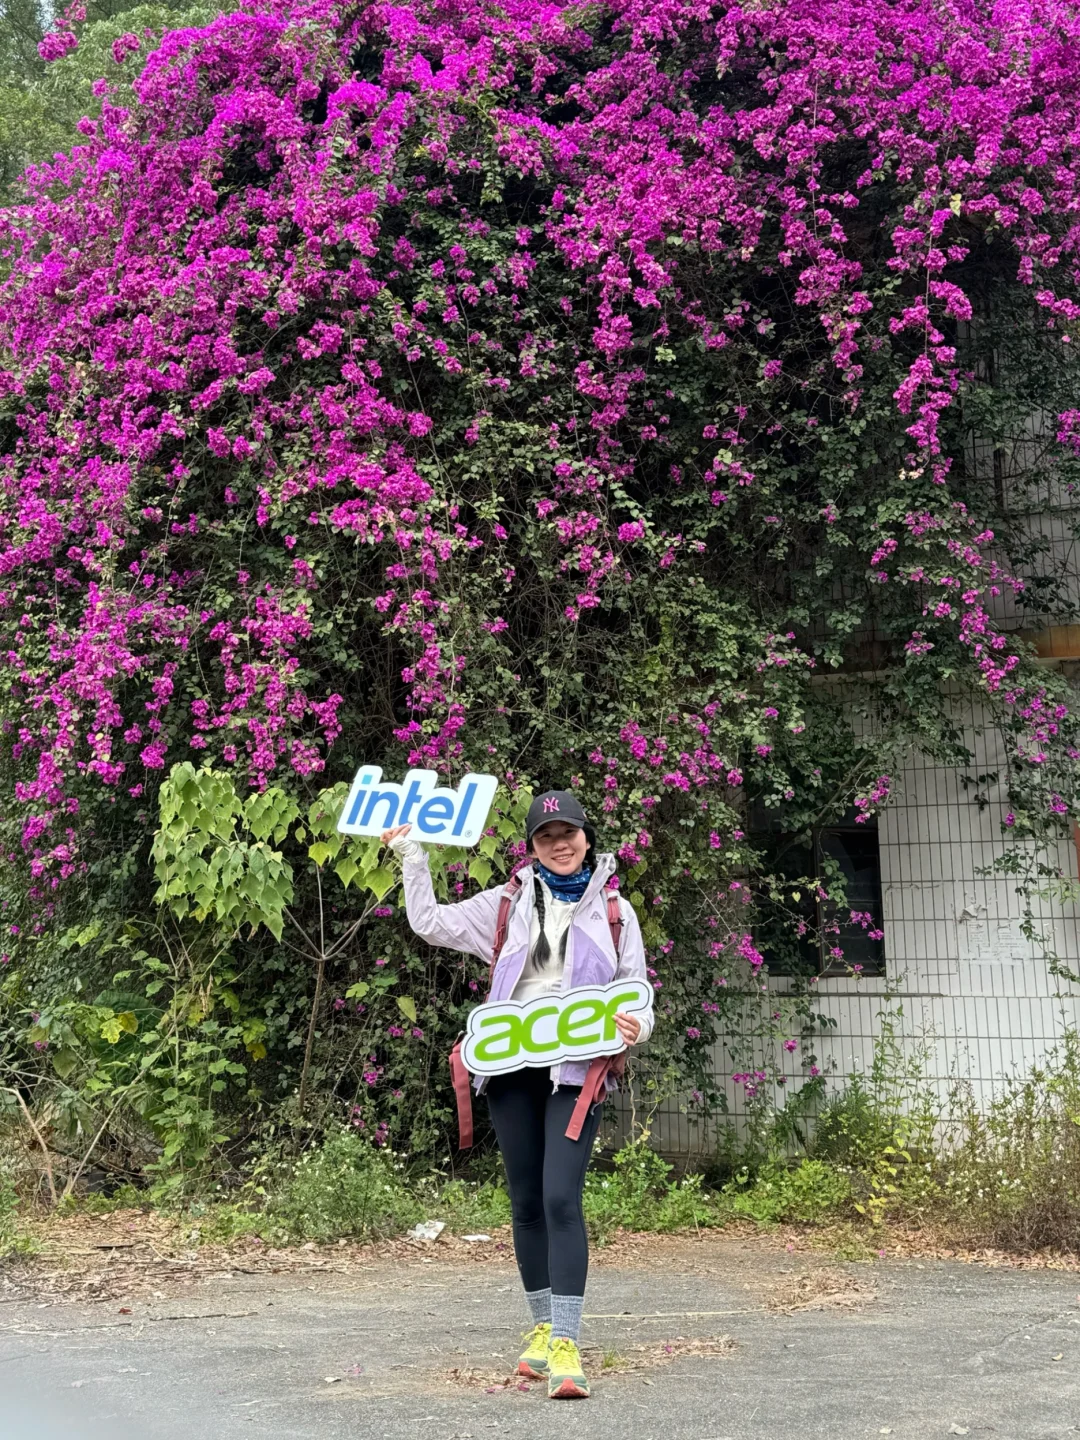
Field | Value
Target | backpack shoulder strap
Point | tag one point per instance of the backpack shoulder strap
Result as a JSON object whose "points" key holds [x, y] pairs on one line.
{"points": [[502, 922], [594, 1090], [461, 1077], [614, 919]]}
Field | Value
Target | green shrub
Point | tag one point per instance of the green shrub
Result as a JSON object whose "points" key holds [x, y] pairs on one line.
{"points": [[853, 1127], [224, 1224], [468, 1206], [1012, 1177], [639, 1194], [811, 1191], [345, 1188]]}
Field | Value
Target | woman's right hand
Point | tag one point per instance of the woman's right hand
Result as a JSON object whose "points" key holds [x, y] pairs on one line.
{"points": [[389, 836]]}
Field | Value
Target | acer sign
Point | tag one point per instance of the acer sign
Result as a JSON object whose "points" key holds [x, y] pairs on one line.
{"points": [[505, 1035]]}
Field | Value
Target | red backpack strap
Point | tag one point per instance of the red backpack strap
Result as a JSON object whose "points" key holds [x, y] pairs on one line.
{"points": [[462, 1082], [614, 919], [461, 1078], [594, 1089], [593, 1092], [617, 1063], [502, 922]]}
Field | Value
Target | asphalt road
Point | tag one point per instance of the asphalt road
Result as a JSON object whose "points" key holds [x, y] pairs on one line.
{"points": [[420, 1349]]}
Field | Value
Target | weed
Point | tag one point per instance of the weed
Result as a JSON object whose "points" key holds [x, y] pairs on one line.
{"points": [[847, 1242], [639, 1194], [464, 1205], [347, 1187], [1011, 1176], [811, 1191], [14, 1239]]}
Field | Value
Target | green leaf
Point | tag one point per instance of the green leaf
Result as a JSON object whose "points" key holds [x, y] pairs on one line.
{"points": [[480, 870], [127, 1022], [83, 937], [346, 870], [357, 991], [64, 1061], [380, 881], [407, 1006]]}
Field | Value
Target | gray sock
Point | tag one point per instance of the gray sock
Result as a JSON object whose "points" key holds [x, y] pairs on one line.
{"points": [[566, 1315], [540, 1305]]}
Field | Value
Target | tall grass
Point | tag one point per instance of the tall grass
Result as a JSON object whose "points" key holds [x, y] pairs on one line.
{"points": [[1011, 1176]]}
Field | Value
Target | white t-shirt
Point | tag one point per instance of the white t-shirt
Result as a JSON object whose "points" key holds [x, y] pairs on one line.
{"points": [[535, 980]]}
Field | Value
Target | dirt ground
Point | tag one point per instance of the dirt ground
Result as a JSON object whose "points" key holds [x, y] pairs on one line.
{"points": [[125, 1326], [133, 1252]]}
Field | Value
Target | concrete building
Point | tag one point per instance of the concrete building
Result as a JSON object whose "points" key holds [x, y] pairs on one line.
{"points": [[966, 996]]}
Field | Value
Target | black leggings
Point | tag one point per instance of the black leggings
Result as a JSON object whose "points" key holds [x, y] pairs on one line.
{"points": [[546, 1175]]}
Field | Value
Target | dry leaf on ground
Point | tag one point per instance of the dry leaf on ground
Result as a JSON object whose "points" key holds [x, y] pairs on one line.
{"points": [[819, 1290]]}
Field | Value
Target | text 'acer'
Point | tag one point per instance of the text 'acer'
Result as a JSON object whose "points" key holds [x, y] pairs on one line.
{"points": [[579, 1024]]}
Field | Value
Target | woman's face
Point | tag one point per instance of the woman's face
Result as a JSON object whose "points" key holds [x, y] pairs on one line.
{"points": [[560, 847]]}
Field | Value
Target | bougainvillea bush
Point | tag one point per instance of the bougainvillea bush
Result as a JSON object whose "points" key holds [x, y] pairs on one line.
{"points": [[42, 98], [587, 393]]}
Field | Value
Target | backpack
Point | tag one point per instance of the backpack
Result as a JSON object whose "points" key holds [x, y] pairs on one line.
{"points": [[594, 1087]]}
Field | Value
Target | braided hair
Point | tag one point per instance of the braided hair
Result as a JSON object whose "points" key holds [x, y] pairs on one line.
{"points": [[541, 954]]}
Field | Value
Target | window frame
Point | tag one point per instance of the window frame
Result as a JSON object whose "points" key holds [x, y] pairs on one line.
{"points": [[812, 957], [831, 968]]}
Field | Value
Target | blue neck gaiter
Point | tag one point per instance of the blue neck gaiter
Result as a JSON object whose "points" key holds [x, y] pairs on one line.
{"points": [[565, 887]]}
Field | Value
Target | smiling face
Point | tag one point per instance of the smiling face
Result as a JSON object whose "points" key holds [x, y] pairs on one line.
{"points": [[560, 847]]}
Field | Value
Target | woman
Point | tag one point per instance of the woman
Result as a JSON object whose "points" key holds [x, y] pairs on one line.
{"points": [[559, 936]]}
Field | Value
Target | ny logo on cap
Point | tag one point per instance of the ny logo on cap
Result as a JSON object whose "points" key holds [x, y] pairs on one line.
{"points": [[550, 805]]}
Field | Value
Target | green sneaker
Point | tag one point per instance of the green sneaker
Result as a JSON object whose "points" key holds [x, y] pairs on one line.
{"points": [[533, 1361], [566, 1379]]}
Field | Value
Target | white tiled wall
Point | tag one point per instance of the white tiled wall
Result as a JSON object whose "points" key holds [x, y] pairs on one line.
{"points": [[978, 1000]]}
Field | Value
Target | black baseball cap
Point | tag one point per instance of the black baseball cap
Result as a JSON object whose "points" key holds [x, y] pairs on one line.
{"points": [[556, 805]]}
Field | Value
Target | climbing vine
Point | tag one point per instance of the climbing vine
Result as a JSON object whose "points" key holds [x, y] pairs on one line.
{"points": [[561, 391]]}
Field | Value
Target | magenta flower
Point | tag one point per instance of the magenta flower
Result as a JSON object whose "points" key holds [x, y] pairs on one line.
{"points": [[240, 307]]}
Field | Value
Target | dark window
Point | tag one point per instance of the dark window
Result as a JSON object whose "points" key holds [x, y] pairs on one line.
{"points": [[851, 852], [842, 852]]}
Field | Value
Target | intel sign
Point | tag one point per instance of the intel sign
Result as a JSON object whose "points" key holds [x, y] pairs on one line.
{"points": [[439, 815]]}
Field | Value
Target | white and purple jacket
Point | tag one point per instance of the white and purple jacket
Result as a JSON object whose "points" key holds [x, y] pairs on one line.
{"points": [[469, 927]]}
